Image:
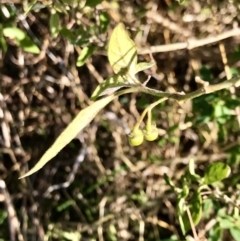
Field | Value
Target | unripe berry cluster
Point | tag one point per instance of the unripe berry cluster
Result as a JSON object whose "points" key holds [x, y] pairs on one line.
{"points": [[149, 133]]}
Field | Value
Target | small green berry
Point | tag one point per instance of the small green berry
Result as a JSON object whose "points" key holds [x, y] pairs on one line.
{"points": [[151, 133], [136, 137]]}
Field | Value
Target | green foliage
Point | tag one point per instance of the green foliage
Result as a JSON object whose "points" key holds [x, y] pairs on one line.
{"points": [[190, 203], [104, 21], [54, 23], [81, 120], [22, 39], [195, 209], [85, 54], [109, 86], [93, 3], [225, 221], [122, 54], [142, 66], [216, 172]]}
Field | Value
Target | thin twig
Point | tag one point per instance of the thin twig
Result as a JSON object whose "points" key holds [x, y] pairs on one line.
{"points": [[181, 97], [192, 225], [191, 43], [14, 224], [80, 158]]}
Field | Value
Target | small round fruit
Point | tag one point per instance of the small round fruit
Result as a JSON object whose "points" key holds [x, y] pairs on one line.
{"points": [[151, 134], [136, 137]]}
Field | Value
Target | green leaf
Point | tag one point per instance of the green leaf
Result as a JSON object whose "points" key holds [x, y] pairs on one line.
{"points": [[181, 207], [31, 4], [208, 207], [3, 44], [38, 6], [65, 205], [92, 3], [216, 172], [143, 65], [195, 208], [22, 39], [108, 86], [83, 118], [68, 34], [191, 168], [215, 234], [235, 232], [54, 23], [104, 21], [85, 54], [169, 181], [226, 222], [122, 52]]}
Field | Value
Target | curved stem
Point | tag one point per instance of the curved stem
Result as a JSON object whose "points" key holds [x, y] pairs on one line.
{"points": [[148, 109], [181, 97], [234, 81]]}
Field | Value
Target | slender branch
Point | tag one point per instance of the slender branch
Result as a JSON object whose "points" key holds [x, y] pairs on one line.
{"points": [[191, 43], [206, 89]]}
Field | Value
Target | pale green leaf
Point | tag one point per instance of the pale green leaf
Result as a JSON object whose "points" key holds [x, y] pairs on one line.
{"points": [[30, 6], [143, 65], [109, 86], [226, 222], [122, 51], [85, 54], [235, 232], [80, 121], [14, 33], [191, 168], [54, 23], [195, 209], [3, 44], [22, 39], [216, 172]]}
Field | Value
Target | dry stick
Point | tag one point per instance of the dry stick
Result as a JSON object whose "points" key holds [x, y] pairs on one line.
{"points": [[192, 225], [191, 43], [55, 59], [71, 177], [221, 45], [14, 224], [225, 62], [175, 28]]}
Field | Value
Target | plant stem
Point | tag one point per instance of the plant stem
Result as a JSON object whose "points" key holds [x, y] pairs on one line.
{"points": [[148, 109], [181, 97]]}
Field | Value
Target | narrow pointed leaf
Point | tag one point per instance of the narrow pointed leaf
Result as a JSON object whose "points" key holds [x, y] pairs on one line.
{"points": [[54, 23], [85, 54], [81, 120], [191, 168], [143, 65], [108, 86], [195, 208], [122, 51]]}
